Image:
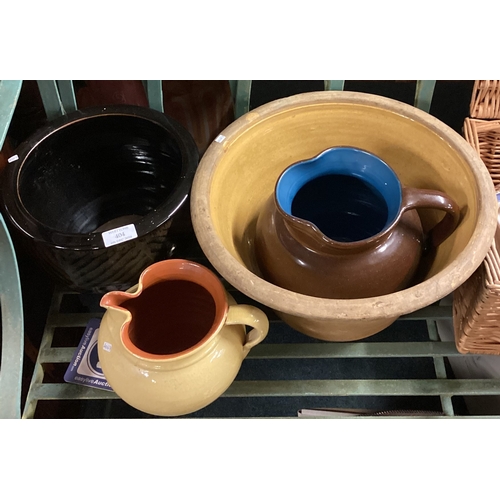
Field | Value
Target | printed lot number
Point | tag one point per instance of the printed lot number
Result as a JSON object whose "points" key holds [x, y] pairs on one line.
{"points": [[119, 235]]}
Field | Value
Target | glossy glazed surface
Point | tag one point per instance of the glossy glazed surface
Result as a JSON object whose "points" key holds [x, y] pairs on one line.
{"points": [[338, 226], [92, 171], [237, 176], [343, 207], [97, 171], [341, 190], [176, 342]]}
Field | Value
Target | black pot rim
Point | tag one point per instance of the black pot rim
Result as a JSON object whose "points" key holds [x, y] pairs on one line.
{"points": [[19, 216]]}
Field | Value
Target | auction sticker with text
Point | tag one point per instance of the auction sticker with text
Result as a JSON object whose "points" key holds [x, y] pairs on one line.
{"points": [[119, 235], [85, 368]]}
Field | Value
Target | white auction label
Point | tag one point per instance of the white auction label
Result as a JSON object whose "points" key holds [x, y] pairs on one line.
{"points": [[119, 235]]}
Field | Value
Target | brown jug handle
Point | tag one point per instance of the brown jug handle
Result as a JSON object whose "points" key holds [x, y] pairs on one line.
{"points": [[426, 198]]}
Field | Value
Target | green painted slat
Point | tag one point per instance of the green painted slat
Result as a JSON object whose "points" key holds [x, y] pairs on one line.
{"points": [[334, 84], [447, 406], [312, 351], [155, 94], [424, 93], [31, 400], [440, 369], [242, 97], [430, 312], [12, 328], [68, 391], [438, 417], [56, 355], [9, 94], [67, 93], [12, 337], [438, 362], [299, 388], [306, 388], [354, 350], [50, 98]]}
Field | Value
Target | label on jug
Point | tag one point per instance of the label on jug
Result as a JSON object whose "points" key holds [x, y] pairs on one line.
{"points": [[119, 235]]}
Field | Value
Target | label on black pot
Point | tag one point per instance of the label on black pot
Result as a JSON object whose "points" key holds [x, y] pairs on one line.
{"points": [[119, 235], [85, 368]]}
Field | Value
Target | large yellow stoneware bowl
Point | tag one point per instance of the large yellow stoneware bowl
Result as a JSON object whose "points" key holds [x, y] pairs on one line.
{"points": [[238, 173]]}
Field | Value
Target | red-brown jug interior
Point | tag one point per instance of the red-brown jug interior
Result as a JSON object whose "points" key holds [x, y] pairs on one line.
{"points": [[180, 306]]}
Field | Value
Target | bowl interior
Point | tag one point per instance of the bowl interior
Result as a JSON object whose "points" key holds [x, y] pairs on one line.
{"points": [[97, 171], [255, 157]]}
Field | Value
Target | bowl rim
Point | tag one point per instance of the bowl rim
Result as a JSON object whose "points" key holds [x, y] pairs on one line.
{"points": [[35, 229], [387, 306]]}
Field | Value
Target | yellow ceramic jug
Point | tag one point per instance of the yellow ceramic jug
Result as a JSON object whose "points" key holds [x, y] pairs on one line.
{"points": [[175, 342]]}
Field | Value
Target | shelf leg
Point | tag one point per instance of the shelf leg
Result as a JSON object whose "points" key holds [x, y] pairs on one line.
{"points": [[446, 402]]}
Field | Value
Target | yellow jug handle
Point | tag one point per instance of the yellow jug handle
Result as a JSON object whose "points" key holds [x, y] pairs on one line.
{"points": [[243, 314]]}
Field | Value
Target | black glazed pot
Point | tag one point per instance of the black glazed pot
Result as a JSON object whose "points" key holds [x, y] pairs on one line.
{"points": [[90, 172]]}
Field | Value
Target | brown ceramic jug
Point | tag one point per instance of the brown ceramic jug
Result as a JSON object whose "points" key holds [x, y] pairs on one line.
{"points": [[341, 226]]}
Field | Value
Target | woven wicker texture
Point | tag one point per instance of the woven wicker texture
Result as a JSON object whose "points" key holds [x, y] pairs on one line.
{"points": [[476, 309], [484, 137], [476, 304], [485, 102]]}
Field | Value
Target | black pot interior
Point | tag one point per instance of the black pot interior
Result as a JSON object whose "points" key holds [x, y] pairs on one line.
{"points": [[100, 173]]}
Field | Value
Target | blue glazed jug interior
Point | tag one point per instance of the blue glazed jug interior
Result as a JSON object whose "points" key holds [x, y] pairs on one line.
{"points": [[348, 194]]}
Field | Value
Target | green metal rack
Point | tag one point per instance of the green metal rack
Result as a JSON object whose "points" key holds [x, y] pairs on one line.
{"points": [[441, 386], [59, 98], [10, 286]]}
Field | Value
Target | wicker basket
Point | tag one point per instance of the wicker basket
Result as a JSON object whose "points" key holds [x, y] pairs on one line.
{"points": [[484, 137], [476, 308], [476, 304], [485, 102]]}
